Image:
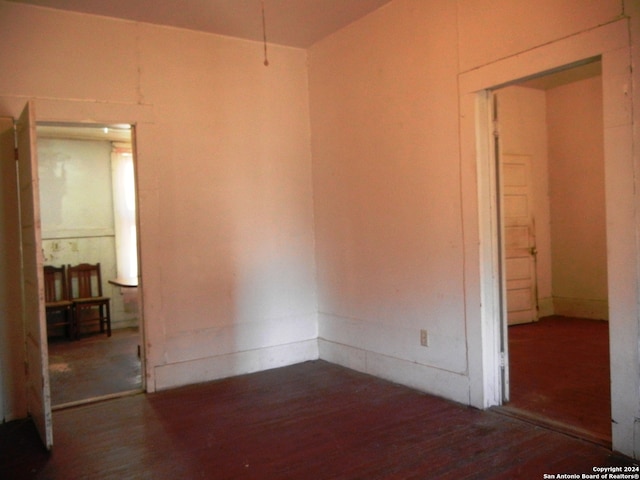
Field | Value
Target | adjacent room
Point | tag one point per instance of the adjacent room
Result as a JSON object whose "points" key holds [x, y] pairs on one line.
{"points": [[88, 216], [342, 208], [552, 174]]}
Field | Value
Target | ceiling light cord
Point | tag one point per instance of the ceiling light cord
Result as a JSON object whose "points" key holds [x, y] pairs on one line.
{"points": [[264, 36]]}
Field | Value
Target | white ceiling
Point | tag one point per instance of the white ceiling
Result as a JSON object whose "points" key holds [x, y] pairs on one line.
{"points": [[296, 23]]}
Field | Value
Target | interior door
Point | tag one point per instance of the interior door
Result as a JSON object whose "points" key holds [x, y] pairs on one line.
{"points": [[519, 239], [33, 310]]}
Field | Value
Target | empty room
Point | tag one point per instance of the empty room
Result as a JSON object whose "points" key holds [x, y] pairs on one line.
{"points": [[322, 234]]}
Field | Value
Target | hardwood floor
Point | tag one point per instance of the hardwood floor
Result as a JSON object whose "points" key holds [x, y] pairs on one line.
{"points": [[559, 369], [94, 366], [308, 421]]}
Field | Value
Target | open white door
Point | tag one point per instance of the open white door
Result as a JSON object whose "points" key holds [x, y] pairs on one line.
{"points": [[33, 310], [497, 233]]}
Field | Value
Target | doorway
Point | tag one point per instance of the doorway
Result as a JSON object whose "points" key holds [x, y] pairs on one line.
{"points": [[551, 169], [487, 350], [88, 215]]}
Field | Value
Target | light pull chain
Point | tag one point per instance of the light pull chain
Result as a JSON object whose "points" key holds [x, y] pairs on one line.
{"points": [[264, 36]]}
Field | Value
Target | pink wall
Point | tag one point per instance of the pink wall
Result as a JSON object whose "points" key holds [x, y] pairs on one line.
{"points": [[494, 29], [399, 225], [387, 178], [235, 224], [576, 188], [224, 180], [387, 193]]}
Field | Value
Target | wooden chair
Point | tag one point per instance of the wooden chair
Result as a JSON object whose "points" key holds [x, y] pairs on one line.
{"points": [[58, 307], [85, 291]]}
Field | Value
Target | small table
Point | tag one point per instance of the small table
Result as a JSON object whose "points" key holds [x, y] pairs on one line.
{"points": [[124, 282]]}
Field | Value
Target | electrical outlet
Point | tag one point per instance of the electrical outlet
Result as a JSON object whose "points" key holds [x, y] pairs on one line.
{"points": [[424, 338]]}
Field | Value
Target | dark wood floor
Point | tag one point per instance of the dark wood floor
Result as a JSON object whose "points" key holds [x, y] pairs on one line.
{"points": [[560, 375], [94, 366], [559, 372], [308, 421]]}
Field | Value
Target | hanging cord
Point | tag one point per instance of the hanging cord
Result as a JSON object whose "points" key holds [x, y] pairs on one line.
{"points": [[264, 36]]}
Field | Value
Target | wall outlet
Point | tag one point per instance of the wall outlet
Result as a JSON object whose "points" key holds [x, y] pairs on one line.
{"points": [[424, 338]]}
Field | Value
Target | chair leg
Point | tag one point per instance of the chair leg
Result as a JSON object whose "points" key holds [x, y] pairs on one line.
{"points": [[73, 323], [108, 319], [104, 317], [67, 324], [76, 321], [101, 313]]}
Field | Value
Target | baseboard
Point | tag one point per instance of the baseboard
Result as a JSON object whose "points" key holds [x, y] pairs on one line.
{"points": [[434, 381], [239, 363]]}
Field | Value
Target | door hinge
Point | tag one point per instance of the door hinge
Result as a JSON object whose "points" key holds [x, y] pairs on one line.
{"points": [[15, 154], [502, 360]]}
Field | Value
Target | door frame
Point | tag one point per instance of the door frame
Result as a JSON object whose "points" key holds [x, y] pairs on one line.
{"points": [[139, 293], [142, 117], [488, 369]]}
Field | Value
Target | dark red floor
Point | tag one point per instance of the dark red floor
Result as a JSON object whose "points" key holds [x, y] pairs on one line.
{"points": [[94, 366], [559, 370], [308, 421]]}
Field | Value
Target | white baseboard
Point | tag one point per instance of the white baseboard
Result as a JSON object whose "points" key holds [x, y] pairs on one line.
{"points": [[233, 364], [442, 383]]}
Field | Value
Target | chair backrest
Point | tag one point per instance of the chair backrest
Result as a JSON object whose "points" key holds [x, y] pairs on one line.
{"points": [[84, 281], [55, 284]]}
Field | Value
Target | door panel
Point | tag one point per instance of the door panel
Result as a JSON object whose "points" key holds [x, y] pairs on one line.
{"points": [[33, 310], [519, 239]]}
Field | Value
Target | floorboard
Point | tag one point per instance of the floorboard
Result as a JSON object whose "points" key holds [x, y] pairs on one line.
{"points": [[313, 420], [559, 369], [94, 366]]}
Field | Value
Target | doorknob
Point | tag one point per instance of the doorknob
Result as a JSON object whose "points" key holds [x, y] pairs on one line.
{"points": [[533, 250]]}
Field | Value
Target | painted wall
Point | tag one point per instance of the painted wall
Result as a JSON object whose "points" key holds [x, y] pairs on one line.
{"points": [[387, 196], [517, 26], [231, 251], [77, 214], [75, 188], [576, 186], [224, 181], [398, 219], [227, 207], [387, 178]]}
